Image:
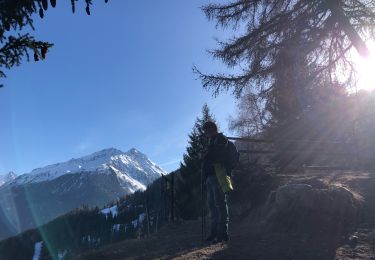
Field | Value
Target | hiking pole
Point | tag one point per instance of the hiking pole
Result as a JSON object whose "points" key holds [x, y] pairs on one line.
{"points": [[203, 217], [202, 222]]}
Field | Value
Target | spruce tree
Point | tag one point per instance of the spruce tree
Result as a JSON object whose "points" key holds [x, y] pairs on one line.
{"points": [[188, 191]]}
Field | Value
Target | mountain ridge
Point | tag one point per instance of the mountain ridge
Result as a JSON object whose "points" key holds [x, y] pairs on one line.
{"points": [[8, 177], [97, 162], [45, 193]]}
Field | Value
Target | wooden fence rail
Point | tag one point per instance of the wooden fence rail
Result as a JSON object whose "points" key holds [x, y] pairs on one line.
{"points": [[168, 209]]}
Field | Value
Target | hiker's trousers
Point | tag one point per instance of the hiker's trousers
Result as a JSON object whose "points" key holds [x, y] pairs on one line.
{"points": [[217, 204]]}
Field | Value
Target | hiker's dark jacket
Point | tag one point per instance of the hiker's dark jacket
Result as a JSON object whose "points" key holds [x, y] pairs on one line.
{"points": [[216, 153]]}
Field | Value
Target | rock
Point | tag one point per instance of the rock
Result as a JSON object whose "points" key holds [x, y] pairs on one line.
{"points": [[302, 207], [290, 194]]}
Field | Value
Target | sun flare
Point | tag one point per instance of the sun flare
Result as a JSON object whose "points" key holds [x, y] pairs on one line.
{"points": [[365, 67]]}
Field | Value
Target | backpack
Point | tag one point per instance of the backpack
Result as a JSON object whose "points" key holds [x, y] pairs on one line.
{"points": [[233, 156]]}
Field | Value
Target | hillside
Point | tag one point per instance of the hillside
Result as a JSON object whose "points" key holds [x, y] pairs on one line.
{"points": [[86, 228], [35, 198], [305, 215], [329, 215]]}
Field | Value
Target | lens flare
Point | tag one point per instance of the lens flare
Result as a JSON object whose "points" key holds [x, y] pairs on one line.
{"points": [[365, 67]]}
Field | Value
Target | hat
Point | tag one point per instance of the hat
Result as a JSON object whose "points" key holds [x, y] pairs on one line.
{"points": [[209, 125]]}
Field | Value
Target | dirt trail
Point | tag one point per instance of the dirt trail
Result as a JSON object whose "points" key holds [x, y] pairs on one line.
{"points": [[248, 241]]}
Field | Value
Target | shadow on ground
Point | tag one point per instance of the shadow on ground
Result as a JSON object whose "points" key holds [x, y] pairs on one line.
{"points": [[304, 216]]}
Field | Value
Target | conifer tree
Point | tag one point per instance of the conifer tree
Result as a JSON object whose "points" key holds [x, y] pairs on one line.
{"points": [[288, 54], [188, 187], [15, 16], [318, 32]]}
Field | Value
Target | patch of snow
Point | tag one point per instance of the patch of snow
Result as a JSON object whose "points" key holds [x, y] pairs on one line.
{"points": [[116, 227], [141, 217], [91, 240], [112, 210], [7, 178], [37, 250], [135, 223], [139, 220], [128, 181]]}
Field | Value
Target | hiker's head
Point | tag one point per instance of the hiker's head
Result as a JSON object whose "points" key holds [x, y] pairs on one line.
{"points": [[209, 128]]}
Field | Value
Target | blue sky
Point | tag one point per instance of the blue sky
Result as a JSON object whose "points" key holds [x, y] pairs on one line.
{"points": [[121, 78]]}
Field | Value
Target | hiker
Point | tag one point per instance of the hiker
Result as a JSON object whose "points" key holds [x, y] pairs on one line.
{"points": [[215, 162]]}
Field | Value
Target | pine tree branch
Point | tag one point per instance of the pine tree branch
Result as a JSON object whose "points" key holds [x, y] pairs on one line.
{"points": [[14, 16], [315, 30]]}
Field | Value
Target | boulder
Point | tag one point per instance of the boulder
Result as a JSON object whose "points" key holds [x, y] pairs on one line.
{"points": [[303, 207]]}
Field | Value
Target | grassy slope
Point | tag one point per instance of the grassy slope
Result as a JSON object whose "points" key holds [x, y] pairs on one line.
{"points": [[248, 241]]}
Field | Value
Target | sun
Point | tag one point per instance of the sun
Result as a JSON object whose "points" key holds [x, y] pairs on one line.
{"points": [[365, 67]]}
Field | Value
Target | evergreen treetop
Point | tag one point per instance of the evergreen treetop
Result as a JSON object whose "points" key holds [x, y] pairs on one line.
{"points": [[197, 140], [188, 190]]}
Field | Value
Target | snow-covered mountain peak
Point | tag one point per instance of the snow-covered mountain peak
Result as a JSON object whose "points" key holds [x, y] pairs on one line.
{"points": [[133, 150], [133, 163], [5, 178], [107, 152], [136, 154], [11, 175]]}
